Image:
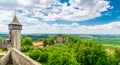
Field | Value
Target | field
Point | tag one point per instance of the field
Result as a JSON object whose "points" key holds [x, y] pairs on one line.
{"points": [[103, 39]]}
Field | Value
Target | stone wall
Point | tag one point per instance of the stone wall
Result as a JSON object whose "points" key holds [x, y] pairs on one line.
{"points": [[4, 60], [1, 55], [16, 39], [19, 58]]}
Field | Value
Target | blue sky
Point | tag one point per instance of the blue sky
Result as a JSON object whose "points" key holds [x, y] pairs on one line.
{"points": [[62, 16], [107, 16]]}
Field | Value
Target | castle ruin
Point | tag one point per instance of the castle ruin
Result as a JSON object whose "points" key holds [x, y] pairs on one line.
{"points": [[14, 39]]}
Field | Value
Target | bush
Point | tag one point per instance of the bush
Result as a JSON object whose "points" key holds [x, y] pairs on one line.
{"points": [[26, 48], [45, 43], [35, 53], [43, 57], [63, 58], [26, 41]]}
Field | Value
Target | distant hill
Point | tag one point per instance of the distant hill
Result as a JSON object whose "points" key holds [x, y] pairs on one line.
{"points": [[3, 36], [102, 38]]}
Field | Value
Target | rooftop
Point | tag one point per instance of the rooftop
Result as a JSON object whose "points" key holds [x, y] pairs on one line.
{"points": [[15, 20]]}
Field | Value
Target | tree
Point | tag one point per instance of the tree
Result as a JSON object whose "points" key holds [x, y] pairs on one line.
{"points": [[51, 41], [26, 48], [45, 42], [89, 53], [34, 53], [27, 41], [43, 57], [117, 55]]}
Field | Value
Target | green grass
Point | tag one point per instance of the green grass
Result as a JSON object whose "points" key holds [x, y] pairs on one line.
{"points": [[2, 51]]}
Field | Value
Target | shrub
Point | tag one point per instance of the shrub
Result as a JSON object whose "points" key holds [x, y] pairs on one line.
{"points": [[35, 53], [43, 57]]}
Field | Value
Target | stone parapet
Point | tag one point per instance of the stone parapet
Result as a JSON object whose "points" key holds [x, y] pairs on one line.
{"points": [[19, 58], [4, 60]]}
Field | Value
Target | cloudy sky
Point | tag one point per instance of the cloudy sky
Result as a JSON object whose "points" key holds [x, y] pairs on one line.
{"points": [[62, 16]]}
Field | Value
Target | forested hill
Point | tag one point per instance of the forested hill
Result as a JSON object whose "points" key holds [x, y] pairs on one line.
{"points": [[74, 52]]}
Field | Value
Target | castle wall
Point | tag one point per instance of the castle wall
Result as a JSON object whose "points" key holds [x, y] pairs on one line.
{"points": [[4, 60], [19, 58]]}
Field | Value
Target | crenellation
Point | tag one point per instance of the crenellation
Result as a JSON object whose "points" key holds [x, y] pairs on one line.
{"points": [[15, 27]]}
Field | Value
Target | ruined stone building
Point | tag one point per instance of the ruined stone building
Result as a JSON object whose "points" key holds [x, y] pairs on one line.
{"points": [[14, 39], [59, 39]]}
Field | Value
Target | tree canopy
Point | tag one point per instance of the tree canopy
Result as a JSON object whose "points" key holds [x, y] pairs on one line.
{"points": [[76, 52]]}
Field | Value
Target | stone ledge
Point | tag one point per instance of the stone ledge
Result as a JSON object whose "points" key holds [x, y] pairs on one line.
{"points": [[21, 59], [5, 58]]}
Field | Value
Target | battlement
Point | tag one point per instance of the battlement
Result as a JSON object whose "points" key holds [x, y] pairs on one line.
{"points": [[15, 27]]}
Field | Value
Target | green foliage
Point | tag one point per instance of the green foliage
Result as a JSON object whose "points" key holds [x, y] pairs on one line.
{"points": [[45, 42], [43, 57], [26, 44], [34, 53], [90, 53], [2, 51], [76, 52], [36, 37], [117, 55], [61, 55], [26, 41], [26, 48], [49, 41]]}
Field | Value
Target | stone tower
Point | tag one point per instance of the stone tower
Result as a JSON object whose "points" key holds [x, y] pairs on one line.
{"points": [[15, 33], [59, 38]]}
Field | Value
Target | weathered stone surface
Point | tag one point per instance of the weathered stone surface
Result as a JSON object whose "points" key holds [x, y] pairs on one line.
{"points": [[17, 58], [1, 55], [15, 33], [5, 58], [14, 55], [21, 59]]}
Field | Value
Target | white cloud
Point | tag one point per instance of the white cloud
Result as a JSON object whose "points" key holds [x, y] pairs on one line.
{"points": [[86, 9], [51, 10], [3, 28], [110, 28], [8, 4], [43, 27]]}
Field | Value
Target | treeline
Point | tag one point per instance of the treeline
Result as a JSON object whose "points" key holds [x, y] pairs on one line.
{"points": [[75, 52], [36, 37], [3, 36]]}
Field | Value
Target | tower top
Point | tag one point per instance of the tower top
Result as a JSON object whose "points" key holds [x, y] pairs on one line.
{"points": [[15, 20]]}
